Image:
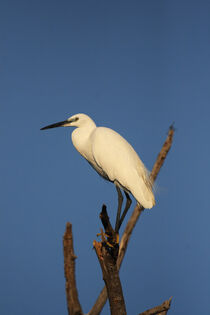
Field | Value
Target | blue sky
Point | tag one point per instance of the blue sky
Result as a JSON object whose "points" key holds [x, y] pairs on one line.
{"points": [[134, 66]]}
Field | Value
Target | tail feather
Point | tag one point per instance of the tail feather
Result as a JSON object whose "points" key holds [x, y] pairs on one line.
{"points": [[144, 194]]}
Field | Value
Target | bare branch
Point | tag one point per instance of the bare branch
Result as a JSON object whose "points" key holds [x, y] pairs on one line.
{"points": [[111, 276], [101, 300], [74, 307], [161, 309], [163, 153], [127, 233], [111, 235]]}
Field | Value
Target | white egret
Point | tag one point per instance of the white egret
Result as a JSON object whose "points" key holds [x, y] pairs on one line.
{"points": [[113, 158]]}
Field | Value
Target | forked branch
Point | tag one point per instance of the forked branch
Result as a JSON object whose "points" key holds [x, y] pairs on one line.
{"points": [[111, 277]]}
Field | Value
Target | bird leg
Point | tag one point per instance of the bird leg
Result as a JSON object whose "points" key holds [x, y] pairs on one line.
{"points": [[120, 201], [127, 206]]}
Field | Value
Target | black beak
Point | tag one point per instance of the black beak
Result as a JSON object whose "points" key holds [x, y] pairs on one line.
{"points": [[58, 124]]}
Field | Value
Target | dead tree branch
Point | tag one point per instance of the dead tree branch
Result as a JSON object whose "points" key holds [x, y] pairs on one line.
{"points": [[111, 278], [101, 300], [74, 307], [112, 237], [161, 309], [107, 253], [163, 153]]}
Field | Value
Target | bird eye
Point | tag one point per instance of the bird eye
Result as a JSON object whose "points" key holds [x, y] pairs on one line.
{"points": [[74, 119]]}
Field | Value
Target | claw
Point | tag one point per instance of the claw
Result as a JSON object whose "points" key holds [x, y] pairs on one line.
{"points": [[109, 241]]}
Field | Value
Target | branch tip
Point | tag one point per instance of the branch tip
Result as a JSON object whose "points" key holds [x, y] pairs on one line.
{"points": [[171, 127], [73, 303], [160, 309], [68, 227]]}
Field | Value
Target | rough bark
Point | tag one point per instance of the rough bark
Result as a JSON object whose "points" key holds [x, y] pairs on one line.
{"points": [[111, 277], [107, 253], [74, 307]]}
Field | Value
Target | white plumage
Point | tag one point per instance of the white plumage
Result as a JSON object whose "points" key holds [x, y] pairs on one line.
{"points": [[111, 156]]}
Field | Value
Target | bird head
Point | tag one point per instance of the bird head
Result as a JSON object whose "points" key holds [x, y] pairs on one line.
{"points": [[77, 120]]}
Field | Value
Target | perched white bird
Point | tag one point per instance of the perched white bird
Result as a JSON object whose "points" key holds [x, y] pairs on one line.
{"points": [[113, 158]]}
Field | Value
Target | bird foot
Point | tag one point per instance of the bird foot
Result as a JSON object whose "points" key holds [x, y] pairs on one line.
{"points": [[109, 240]]}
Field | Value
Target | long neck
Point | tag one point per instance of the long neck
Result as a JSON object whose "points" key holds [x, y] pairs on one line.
{"points": [[82, 141]]}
